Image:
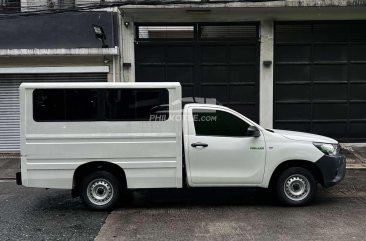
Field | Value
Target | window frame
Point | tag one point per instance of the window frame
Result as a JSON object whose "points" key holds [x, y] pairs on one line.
{"points": [[197, 31], [138, 25]]}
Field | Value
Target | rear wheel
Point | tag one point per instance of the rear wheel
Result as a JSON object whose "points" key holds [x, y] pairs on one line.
{"points": [[100, 190], [296, 186]]}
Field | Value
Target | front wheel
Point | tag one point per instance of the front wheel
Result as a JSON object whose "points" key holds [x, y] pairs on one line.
{"points": [[100, 190], [296, 186]]}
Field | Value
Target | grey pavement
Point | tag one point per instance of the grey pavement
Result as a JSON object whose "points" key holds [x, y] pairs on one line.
{"points": [[39, 214], [339, 213], [9, 165]]}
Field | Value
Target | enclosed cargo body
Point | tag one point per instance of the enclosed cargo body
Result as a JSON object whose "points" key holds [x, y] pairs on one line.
{"points": [[150, 152]]}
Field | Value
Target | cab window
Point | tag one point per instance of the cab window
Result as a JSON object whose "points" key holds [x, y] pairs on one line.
{"points": [[209, 122]]}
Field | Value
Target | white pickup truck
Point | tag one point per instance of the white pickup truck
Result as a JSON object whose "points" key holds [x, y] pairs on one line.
{"points": [[99, 139]]}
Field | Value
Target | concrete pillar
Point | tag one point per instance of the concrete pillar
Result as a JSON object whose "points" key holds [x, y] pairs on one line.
{"points": [[266, 74], [127, 37]]}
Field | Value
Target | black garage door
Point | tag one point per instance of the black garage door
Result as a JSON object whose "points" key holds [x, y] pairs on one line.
{"points": [[212, 61], [320, 78]]}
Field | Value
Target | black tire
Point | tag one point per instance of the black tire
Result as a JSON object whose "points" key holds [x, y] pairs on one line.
{"points": [[97, 185], [296, 180]]}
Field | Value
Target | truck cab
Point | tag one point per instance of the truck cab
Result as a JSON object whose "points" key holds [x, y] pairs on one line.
{"points": [[138, 135], [222, 147]]}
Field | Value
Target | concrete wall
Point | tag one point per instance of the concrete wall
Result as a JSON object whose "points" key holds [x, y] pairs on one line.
{"points": [[61, 30], [59, 40], [127, 46], [37, 5], [27, 5]]}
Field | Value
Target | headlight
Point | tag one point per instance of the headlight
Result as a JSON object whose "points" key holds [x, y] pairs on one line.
{"points": [[327, 149]]}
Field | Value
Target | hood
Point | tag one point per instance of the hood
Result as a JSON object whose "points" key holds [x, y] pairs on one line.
{"points": [[302, 136]]}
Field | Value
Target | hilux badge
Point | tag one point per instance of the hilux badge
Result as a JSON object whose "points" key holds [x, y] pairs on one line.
{"points": [[256, 148]]}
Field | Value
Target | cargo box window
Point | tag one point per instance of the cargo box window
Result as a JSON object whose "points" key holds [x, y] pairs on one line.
{"points": [[81, 105], [100, 105], [65, 105], [133, 104], [48, 105]]}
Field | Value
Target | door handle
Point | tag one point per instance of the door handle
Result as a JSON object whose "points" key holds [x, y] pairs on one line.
{"points": [[199, 144]]}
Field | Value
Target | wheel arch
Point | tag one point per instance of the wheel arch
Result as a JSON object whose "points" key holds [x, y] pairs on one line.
{"points": [[90, 167], [311, 166]]}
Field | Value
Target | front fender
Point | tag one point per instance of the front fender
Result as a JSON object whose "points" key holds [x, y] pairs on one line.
{"points": [[282, 151]]}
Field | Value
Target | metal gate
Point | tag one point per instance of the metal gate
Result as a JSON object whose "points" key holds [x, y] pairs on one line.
{"points": [[320, 78], [210, 60], [9, 101]]}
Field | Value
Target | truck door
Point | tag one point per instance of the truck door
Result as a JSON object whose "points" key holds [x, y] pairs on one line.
{"points": [[219, 150]]}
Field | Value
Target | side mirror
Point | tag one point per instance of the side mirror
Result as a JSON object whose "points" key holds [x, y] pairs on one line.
{"points": [[253, 131]]}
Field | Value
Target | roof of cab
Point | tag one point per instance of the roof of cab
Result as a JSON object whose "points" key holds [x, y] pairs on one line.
{"points": [[82, 85]]}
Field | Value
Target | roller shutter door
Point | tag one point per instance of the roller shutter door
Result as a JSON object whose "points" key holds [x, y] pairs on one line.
{"points": [[320, 78], [215, 61], [9, 101]]}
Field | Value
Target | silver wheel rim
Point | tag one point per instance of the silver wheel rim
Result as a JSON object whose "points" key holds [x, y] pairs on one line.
{"points": [[100, 191], [297, 187]]}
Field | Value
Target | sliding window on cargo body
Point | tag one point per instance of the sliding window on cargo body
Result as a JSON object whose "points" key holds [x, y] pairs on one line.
{"points": [[69, 105]]}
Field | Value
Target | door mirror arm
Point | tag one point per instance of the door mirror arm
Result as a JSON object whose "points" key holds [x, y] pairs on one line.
{"points": [[253, 131]]}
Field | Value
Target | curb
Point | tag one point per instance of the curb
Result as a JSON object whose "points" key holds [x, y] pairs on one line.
{"points": [[356, 166]]}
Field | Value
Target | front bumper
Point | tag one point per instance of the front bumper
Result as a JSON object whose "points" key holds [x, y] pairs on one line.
{"points": [[333, 169]]}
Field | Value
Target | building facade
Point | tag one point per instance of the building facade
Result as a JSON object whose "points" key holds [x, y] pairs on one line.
{"points": [[297, 65], [58, 47]]}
